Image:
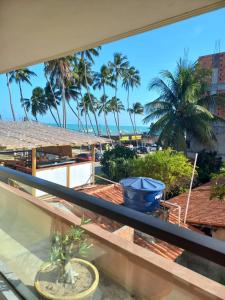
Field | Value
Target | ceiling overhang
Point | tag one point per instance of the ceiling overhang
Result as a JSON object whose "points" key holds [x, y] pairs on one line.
{"points": [[33, 31]]}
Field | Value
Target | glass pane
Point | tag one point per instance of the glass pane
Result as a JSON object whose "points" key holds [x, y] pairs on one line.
{"points": [[130, 264]]}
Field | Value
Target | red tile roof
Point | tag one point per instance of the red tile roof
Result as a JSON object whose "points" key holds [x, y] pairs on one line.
{"points": [[202, 210], [113, 193]]}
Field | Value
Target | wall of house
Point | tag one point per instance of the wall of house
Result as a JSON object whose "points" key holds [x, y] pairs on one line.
{"points": [[73, 175], [216, 145]]}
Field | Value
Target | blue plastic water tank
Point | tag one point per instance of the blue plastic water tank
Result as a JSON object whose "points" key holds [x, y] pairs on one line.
{"points": [[142, 193]]}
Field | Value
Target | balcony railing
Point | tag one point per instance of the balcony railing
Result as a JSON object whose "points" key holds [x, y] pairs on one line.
{"points": [[28, 222]]}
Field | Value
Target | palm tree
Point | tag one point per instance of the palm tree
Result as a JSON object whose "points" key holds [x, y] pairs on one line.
{"points": [[36, 103], [86, 107], [72, 92], [137, 109], [52, 101], [116, 106], [131, 79], [10, 97], [19, 76], [182, 107], [51, 89], [60, 70], [101, 80], [87, 58], [118, 67], [103, 107]]}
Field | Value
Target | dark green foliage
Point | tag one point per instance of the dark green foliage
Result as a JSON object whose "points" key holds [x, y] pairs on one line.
{"points": [[218, 185], [208, 162], [115, 162]]}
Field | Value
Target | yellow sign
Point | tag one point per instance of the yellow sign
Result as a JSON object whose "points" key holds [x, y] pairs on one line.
{"points": [[124, 138], [135, 137]]}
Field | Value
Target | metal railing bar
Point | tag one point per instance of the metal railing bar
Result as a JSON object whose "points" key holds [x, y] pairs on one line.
{"points": [[199, 244]]}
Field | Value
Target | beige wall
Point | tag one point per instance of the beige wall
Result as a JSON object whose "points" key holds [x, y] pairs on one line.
{"points": [[25, 227]]}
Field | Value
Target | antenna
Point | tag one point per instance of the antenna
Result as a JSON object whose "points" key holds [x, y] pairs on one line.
{"points": [[217, 46]]}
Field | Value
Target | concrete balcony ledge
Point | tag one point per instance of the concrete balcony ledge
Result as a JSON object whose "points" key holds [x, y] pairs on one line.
{"points": [[26, 223]]}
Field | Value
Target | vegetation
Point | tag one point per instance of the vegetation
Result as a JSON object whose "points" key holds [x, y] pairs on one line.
{"points": [[172, 168], [65, 246], [115, 162], [181, 109], [208, 163], [70, 85], [218, 185]]}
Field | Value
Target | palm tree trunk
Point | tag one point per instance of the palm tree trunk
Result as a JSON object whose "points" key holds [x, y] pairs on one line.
{"points": [[135, 124], [36, 118], [105, 117], [55, 102], [91, 122], [128, 107], [90, 98], [53, 116], [117, 112], [85, 116], [21, 99], [63, 103], [76, 115], [10, 97], [114, 114]]}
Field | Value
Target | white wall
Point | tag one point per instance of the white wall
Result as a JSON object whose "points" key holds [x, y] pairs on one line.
{"points": [[56, 175], [80, 174]]}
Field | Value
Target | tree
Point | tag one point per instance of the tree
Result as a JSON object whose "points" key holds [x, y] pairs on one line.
{"points": [[87, 58], [118, 67], [19, 76], [52, 101], [10, 97], [116, 106], [137, 109], [103, 107], [36, 103], [131, 79], [101, 80], [86, 107], [59, 71], [71, 93], [181, 108], [51, 89], [171, 167], [115, 162]]}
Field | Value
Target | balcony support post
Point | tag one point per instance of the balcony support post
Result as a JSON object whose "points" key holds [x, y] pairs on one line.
{"points": [[93, 163]]}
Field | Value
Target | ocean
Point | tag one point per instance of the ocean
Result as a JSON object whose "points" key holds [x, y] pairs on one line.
{"points": [[113, 129]]}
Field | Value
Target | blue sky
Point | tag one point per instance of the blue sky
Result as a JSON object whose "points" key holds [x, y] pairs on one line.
{"points": [[149, 52]]}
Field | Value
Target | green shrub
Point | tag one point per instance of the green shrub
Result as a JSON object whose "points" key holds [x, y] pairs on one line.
{"points": [[172, 168], [115, 162], [218, 185], [208, 163]]}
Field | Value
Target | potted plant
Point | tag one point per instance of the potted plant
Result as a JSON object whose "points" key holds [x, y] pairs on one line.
{"points": [[68, 276]]}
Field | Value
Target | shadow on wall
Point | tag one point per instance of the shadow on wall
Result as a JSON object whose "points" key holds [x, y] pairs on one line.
{"points": [[202, 266]]}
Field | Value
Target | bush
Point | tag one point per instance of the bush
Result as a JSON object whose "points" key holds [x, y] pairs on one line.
{"points": [[172, 168], [218, 185], [115, 162], [208, 163]]}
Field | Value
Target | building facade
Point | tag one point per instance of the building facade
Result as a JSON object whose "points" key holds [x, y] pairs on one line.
{"points": [[215, 63]]}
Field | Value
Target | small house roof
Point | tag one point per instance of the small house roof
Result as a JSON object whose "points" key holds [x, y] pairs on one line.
{"points": [[29, 134]]}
